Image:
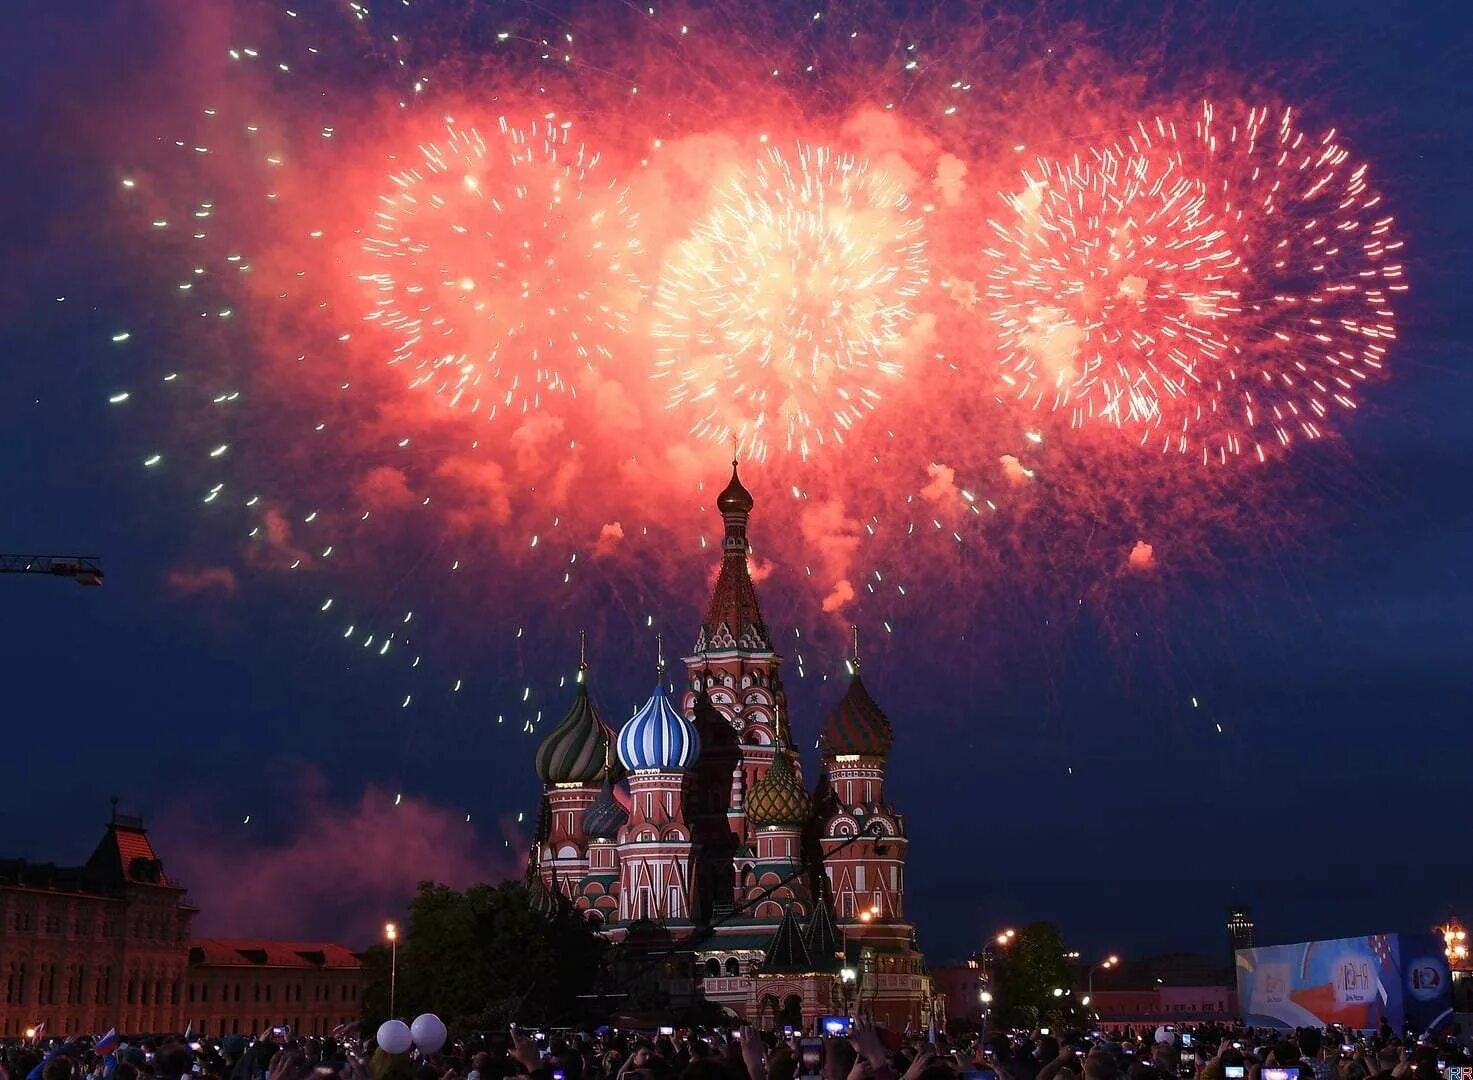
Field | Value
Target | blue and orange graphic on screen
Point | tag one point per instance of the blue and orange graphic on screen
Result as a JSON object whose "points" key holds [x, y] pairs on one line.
{"points": [[1353, 982]]}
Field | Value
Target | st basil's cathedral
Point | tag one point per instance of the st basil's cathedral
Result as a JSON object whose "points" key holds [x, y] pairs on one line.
{"points": [[688, 834]]}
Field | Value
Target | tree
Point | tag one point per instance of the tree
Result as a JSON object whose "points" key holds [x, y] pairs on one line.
{"points": [[482, 958], [1027, 972]]}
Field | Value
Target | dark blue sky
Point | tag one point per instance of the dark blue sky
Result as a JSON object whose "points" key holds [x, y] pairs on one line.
{"points": [[1343, 673]]}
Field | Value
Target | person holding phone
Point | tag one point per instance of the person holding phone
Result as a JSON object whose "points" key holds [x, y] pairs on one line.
{"points": [[1229, 1056]]}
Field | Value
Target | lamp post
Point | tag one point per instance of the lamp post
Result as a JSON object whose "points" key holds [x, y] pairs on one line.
{"points": [[1107, 963], [1002, 940], [392, 933], [986, 998], [849, 974], [846, 980]]}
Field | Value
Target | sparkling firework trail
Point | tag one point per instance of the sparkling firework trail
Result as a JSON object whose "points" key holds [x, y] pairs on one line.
{"points": [[786, 308]]}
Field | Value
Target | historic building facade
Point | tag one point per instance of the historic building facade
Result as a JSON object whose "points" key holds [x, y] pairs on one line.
{"points": [[108, 945], [238, 986], [101, 945], [691, 828]]}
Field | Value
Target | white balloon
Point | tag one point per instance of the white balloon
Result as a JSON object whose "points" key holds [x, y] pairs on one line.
{"points": [[394, 1036], [429, 1032]]}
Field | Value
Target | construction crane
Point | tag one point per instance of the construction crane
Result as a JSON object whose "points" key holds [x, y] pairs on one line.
{"points": [[83, 569]]}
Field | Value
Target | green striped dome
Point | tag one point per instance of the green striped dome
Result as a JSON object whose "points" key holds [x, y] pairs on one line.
{"points": [[573, 752]]}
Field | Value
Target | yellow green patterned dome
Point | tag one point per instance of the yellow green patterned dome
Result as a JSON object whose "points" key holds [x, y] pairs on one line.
{"points": [[778, 798]]}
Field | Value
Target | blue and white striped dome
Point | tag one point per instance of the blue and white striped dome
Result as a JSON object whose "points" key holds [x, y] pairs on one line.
{"points": [[658, 737]]}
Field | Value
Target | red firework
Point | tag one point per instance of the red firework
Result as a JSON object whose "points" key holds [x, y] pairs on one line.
{"points": [[1211, 288], [502, 265]]}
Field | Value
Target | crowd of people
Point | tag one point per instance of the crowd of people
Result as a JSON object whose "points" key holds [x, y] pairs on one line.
{"points": [[867, 1052]]}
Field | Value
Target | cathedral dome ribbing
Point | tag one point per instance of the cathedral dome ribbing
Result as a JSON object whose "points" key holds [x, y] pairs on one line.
{"points": [[778, 798], [605, 816], [574, 751], [658, 737], [856, 726]]}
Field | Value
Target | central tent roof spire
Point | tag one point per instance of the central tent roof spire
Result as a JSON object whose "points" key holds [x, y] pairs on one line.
{"points": [[733, 621]]}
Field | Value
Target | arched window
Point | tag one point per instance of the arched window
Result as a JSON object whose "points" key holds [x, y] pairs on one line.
{"points": [[713, 968], [733, 969]]}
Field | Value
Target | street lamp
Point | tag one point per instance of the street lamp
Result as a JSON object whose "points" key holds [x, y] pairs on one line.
{"points": [[1058, 991], [1108, 962], [392, 933]]}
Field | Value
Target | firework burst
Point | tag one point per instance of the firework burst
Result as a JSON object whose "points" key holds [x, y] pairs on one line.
{"points": [[787, 307], [788, 185], [1211, 288], [502, 266]]}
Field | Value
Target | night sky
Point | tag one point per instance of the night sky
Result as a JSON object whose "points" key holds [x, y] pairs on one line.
{"points": [[1339, 668]]}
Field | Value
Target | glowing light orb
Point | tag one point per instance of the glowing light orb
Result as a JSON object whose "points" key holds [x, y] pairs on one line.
{"points": [[1211, 287], [502, 265], [786, 308]]}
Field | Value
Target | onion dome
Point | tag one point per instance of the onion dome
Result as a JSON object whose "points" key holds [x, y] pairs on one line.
{"points": [[856, 726], [778, 798], [735, 499], [605, 816], [574, 752], [658, 737]]}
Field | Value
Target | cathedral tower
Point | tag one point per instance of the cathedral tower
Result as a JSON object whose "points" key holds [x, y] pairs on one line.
{"points": [[569, 763], [735, 695], [657, 745]]}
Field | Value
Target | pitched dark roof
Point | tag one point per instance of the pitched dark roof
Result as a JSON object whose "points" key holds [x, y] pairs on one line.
{"points": [[822, 938], [787, 951]]}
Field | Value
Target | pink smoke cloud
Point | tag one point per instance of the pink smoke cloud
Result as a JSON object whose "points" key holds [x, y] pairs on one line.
{"points": [[841, 594], [483, 488], [383, 488], [201, 580], [272, 543], [1014, 470], [834, 536], [942, 486], [608, 538], [335, 875], [950, 182]]}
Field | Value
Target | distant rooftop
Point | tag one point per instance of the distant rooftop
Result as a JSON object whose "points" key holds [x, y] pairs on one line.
{"points": [[255, 952]]}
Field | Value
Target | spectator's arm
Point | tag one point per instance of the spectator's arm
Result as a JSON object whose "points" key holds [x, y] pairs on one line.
{"points": [[754, 1054]]}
